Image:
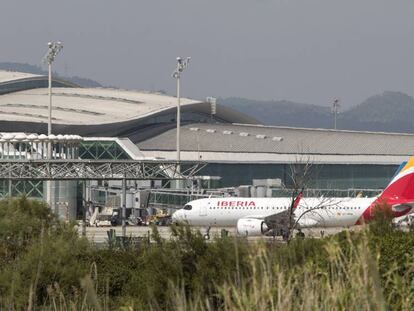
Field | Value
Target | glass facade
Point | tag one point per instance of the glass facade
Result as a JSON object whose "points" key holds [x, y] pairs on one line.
{"points": [[102, 150], [33, 189], [321, 176]]}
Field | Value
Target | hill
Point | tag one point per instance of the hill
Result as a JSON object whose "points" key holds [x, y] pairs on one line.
{"points": [[387, 112], [390, 111], [281, 112]]}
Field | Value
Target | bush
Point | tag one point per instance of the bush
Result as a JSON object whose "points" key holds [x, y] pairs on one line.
{"points": [[48, 266], [21, 222]]}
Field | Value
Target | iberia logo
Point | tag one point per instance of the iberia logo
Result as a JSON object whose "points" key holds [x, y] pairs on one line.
{"points": [[236, 203]]}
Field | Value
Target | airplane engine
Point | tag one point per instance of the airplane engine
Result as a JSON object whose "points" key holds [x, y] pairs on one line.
{"points": [[251, 227], [307, 223]]}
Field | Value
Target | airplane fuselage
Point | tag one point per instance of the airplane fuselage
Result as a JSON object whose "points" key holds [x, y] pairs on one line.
{"points": [[324, 212]]}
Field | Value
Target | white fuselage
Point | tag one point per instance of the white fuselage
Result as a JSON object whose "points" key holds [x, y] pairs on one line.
{"points": [[321, 212]]}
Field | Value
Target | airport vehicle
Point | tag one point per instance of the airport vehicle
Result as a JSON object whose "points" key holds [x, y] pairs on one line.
{"points": [[266, 216], [132, 220], [161, 218], [103, 220]]}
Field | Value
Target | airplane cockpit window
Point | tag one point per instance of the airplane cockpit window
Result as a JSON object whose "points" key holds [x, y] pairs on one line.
{"points": [[188, 207]]}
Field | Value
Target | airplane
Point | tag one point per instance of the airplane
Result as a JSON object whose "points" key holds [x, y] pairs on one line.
{"points": [[267, 216]]}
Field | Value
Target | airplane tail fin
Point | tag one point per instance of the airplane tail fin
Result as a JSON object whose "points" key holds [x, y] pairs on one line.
{"points": [[399, 194], [296, 201], [402, 184]]}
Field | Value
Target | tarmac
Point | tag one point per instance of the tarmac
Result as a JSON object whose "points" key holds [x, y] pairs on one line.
{"points": [[100, 234]]}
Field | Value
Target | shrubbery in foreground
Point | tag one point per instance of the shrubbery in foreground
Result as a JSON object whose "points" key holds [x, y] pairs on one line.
{"points": [[45, 265]]}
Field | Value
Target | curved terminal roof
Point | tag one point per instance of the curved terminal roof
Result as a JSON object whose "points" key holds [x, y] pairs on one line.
{"points": [[24, 102], [8, 76], [253, 143], [84, 106], [92, 106], [13, 81]]}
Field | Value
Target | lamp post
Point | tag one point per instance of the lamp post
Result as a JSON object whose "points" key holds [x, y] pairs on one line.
{"points": [[53, 49], [181, 65], [335, 110]]}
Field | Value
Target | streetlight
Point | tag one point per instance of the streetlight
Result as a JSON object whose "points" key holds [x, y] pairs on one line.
{"points": [[181, 65], [54, 49], [335, 110]]}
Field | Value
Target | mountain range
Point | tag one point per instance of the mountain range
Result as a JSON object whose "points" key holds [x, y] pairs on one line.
{"points": [[386, 112]]}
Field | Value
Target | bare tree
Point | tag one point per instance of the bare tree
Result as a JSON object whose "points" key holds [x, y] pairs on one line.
{"points": [[316, 210], [299, 174], [308, 210]]}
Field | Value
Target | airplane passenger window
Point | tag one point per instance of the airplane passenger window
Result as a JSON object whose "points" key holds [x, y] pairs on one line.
{"points": [[188, 207]]}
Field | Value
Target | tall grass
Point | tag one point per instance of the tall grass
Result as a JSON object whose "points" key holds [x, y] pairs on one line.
{"points": [[51, 268], [350, 281], [347, 282]]}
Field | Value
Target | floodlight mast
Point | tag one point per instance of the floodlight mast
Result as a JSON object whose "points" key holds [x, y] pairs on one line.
{"points": [[54, 49], [181, 65], [335, 110]]}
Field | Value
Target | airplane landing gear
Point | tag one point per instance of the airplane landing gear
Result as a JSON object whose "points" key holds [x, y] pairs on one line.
{"points": [[300, 234], [207, 234]]}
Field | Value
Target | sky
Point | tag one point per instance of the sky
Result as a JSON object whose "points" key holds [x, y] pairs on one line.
{"points": [[309, 51]]}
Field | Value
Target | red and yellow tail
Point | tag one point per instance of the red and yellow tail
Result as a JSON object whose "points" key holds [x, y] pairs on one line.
{"points": [[402, 185], [399, 194]]}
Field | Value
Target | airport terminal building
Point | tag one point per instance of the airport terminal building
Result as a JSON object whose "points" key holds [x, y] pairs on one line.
{"points": [[125, 124]]}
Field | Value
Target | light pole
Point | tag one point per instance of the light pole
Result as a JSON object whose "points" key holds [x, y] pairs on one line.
{"points": [[335, 110], [54, 49], [181, 65]]}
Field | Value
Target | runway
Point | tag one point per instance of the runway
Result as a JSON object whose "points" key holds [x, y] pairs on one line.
{"points": [[99, 234]]}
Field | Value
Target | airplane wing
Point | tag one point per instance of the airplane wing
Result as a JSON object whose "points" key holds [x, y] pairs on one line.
{"points": [[279, 219]]}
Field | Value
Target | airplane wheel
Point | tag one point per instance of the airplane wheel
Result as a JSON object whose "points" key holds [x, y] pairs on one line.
{"points": [[300, 234]]}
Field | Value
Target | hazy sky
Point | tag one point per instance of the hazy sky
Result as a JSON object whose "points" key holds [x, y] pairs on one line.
{"points": [[301, 50]]}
